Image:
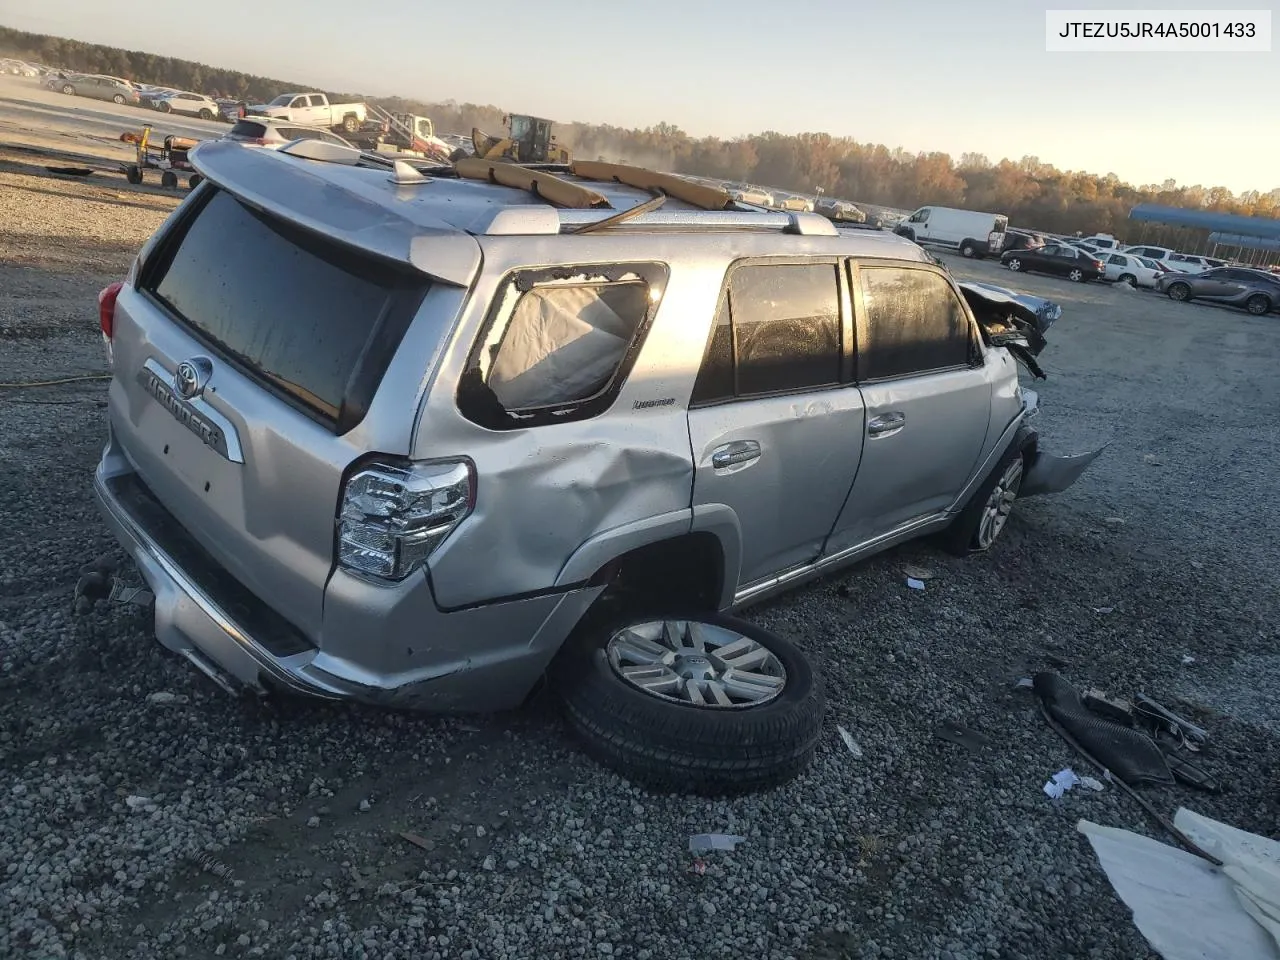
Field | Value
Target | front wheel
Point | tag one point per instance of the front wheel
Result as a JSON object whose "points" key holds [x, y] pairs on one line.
{"points": [[118, 99], [983, 519], [168, 180], [1015, 264], [194, 181], [1076, 276], [1129, 278], [1179, 291], [1259, 304], [68, 89], [206, 115], [133, 173], [350, 124], [163, 107], [691, 702]]}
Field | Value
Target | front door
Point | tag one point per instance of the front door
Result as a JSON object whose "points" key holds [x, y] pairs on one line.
{"points": [[775, 426], [927, 397]]}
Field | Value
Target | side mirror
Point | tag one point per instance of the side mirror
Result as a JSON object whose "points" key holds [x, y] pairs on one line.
{"points": [[1010, 338]]}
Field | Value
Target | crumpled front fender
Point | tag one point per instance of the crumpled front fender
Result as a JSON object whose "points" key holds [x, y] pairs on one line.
{"points": [[1048, 473]]}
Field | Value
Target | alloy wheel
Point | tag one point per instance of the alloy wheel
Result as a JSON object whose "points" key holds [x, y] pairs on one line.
{"points": [[699, 664], [995, 514]]}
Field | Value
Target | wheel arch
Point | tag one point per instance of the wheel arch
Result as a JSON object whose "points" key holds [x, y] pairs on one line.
{"points": [[693, 559]]}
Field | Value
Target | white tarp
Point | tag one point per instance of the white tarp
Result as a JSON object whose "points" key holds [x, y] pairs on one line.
{"points": [[1187, 908], [564, 342]]}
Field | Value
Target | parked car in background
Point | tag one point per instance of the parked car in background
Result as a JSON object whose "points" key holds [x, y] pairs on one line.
{"points": [[313, 110], [100, 88], [1130, 269], [1022, 240], [1252, 290], [268, 132], [1102, 241], [970, 232], [840, 211], [1059, 259], [188, 104], [1190, 263]]}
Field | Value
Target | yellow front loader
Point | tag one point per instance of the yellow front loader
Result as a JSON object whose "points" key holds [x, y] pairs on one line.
{"points": [[528, 140]]}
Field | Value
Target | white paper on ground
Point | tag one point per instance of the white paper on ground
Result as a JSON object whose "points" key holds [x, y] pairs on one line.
{"points": [[702, 842], [1185, 907]]}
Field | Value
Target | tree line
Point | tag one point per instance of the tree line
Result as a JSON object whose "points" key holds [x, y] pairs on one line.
{"points": [[1031, 193]]}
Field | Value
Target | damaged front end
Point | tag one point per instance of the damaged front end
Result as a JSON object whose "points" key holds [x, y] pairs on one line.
{"points": [[1018, 323]]}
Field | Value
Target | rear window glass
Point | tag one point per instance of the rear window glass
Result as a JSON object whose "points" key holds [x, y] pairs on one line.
{"points": [[247, 128], [317, 323]]}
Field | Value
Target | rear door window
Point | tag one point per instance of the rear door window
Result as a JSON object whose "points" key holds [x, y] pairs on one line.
{"points": [[914, 323], [315, 322], [778, 330]]}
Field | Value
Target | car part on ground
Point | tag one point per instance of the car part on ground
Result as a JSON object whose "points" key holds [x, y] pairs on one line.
{"points": [[697, 702], [228, 451]]}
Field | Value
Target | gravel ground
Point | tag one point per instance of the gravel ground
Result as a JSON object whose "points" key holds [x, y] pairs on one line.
{"points": [[143, 814]]}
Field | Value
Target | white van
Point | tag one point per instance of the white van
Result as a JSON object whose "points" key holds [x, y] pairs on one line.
{"points": [[973, 233]]}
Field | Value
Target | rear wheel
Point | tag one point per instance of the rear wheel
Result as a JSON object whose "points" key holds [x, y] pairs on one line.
{"points": [[194, 181], [1076, 275], [206, 115], [1129, 278], [690, 702], [163, 106], [1179, 291], [1015, 264], [117, 99], [68, 89], [168, 179], [133, 173], [969, 249], [350, 123], [1259, 304]]}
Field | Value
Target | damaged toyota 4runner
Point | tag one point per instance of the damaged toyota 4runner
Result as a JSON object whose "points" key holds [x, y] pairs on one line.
{"points": [[422, 438]]}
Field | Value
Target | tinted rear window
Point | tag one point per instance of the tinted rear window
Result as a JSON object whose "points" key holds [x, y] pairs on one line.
{"points": [[247, 128], [314, 321]]}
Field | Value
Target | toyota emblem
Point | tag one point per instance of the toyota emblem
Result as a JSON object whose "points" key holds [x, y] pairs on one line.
{"points": [[191, 377]]}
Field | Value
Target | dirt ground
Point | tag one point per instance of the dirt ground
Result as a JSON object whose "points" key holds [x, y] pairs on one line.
{"points": [[190, 824]]}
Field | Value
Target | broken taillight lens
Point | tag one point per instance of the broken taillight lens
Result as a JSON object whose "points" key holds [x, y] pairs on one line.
{"points": [[107, 314], [394, 514]]}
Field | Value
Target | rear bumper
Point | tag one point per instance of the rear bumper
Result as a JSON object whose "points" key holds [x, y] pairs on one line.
{"points": [[477, 660]]}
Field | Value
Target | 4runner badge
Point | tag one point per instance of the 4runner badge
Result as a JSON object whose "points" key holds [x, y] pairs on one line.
{"points": [[179, 394]]}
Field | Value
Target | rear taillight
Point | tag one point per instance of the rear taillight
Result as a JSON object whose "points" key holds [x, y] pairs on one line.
{"points": [[107, 314], [394, 514]]}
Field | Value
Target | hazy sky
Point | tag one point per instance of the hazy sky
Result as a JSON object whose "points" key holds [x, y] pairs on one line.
{"points": [[951, 75]]}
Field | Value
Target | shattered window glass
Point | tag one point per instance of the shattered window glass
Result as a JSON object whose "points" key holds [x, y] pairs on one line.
{"points": [[564, 343], [915, 323], [786, 327]]}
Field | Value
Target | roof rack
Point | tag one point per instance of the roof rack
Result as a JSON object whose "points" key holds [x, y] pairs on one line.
{"points": [[547, 186]]}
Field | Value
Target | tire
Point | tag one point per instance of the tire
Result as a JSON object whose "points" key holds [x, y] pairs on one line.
{"points": [[193, 181], [1076, 276], [1179, 291], [168, 180], [206, 115], [1015, 264], [1128, 278], [350, 123], [968, 249], [975, 529], [670, 744], [118, 99], [68, 89], [1259, 304], [164, 107], [133, 173]]}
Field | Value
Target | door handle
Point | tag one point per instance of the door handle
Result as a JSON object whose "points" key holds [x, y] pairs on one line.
{"points": [[886, 423], [732, 454]]}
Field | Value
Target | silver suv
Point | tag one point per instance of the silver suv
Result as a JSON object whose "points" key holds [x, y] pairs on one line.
{"points": [[423, 440]]}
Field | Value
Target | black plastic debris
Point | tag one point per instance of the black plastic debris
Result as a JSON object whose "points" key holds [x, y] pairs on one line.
{"points": [[962, 736]]}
